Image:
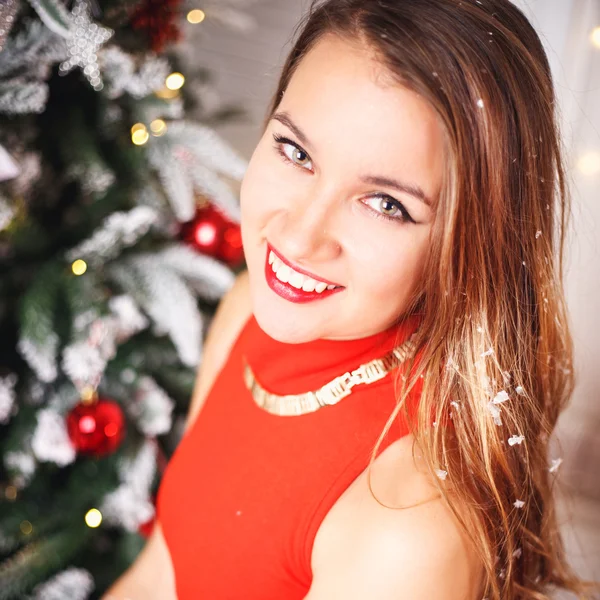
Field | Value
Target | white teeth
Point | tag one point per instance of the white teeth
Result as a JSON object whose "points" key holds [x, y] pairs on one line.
{"points": [[283, 273], [309, 285], [295, 279]]}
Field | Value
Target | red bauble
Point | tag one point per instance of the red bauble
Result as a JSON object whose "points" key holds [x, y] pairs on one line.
{"points": [[213, 234], [231, 250], [145, 529], [97, 428], [158, 19]]}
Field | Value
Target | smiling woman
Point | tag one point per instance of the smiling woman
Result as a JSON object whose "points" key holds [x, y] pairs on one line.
{"points": [[379, 388], [340, 184]]}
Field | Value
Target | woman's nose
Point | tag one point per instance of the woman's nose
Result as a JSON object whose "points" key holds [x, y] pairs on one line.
{"points": [[308, 232]]}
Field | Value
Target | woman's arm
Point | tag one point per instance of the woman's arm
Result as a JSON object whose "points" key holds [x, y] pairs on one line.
{"points": [[151, 576], [366, 550]]}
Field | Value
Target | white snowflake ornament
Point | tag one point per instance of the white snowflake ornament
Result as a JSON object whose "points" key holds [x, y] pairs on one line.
{"points": [[83, 44]]}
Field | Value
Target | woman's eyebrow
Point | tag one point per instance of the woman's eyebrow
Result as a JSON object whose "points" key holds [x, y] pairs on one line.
{"points": [[284, 117], [406, 188]]}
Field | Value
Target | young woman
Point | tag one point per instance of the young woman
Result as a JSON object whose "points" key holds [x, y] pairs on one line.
{"points": [[372, 416]]}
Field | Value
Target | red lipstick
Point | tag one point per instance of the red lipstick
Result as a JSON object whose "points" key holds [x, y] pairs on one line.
{"points": [[289, 292]]}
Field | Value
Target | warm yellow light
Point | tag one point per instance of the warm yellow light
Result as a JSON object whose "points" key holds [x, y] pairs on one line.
{"points": [[158, 127], [137, 127], [26, 527], [166, 94], [589, 164], [140, 137], [596, 37], [196, 16], [10, 492], [175, 81], [93, 517], [79, 267]]}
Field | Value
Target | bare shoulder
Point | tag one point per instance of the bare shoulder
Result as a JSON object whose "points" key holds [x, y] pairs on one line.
{"points": [[233, 311], [364, 549]]}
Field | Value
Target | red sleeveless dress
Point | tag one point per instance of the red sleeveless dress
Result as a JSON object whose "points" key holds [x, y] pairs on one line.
{"points": [[244, 493]]}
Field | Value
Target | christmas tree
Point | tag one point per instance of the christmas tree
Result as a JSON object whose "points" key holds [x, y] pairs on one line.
{"points": [[119, 234]]}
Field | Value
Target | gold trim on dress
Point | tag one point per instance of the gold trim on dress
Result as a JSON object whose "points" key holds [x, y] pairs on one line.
{"points": [[330, 393]]}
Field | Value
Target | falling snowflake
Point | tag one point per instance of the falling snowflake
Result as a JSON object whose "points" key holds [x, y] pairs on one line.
{"points": [[500, 397], [515, 439], [495, 412], [518, 504], [555, 464], [519, 389], [441, 474], [488, 352]]}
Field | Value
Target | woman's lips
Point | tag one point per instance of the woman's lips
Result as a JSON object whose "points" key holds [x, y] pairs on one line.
{"points": [[289, 292], [298, 269]]}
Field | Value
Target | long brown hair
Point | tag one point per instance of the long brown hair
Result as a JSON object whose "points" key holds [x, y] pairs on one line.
{"points": [[495, 348]]}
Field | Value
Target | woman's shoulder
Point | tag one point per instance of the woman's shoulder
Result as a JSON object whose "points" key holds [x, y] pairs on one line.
{"points": [[368, 549]]}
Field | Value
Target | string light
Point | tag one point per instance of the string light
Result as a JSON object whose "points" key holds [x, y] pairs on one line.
{"points": [[166, 94], [79, 267], [26, 527], [175, 81], [139, 134], [158, 127], [93, 518], [595, 37], [10, 492], [589, 164], [196, 16]]}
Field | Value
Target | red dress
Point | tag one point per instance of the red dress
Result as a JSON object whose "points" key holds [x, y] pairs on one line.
{"points": [[243, 495]]}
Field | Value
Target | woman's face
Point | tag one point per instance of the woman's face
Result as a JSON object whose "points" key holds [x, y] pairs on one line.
{"points": [[323, 200]]}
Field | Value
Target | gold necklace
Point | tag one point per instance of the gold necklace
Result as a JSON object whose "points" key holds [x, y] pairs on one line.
{"points": [[330, 393]]}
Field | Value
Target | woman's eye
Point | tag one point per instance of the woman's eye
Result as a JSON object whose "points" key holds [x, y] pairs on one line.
{"points": [[386, 207], [290, 151]]}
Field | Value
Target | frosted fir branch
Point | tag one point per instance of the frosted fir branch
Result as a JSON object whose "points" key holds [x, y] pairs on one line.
{"points": [[50, 441], [139, 469], [210, 278], [7, 396], [121, 76], [209, 148], [118, 231], [7, 213], [9, 169], [33, 51], [130, 505], [84, 364], [20, 97], [41, 355], [54, 15], [22, 466], [207, 183], [64, 398], [151, 408], [94, 177], [72, 583], [174, 179], [126, 507], [173, 308], [129, 319]]}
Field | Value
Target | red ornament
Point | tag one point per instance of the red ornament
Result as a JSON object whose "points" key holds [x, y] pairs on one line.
{"points": [[97, 428], [213, 234], [157, 18], [145, 529]]}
